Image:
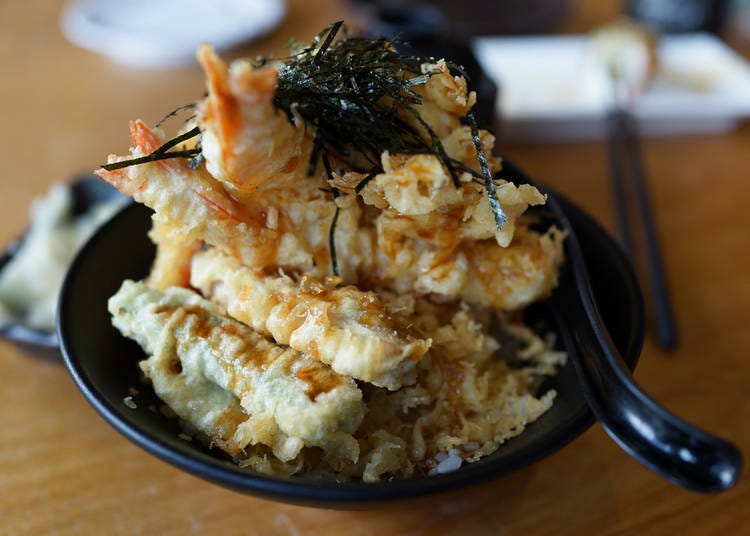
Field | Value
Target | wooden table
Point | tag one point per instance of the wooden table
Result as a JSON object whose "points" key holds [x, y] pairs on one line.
{"points": [[64, 470]]}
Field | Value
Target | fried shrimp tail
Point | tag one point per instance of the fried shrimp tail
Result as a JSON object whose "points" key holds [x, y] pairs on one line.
{"points": [[194, 203], [247, 143]]}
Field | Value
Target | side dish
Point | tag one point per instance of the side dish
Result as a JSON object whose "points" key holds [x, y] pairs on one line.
{"points": [[31, 280], [341, 270]]}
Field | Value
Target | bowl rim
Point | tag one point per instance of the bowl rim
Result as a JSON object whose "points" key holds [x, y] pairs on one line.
{"points": [[329, 494]]}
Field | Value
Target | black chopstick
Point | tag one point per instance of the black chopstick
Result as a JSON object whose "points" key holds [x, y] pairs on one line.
{"points": [[631, 196], [618, 160]]}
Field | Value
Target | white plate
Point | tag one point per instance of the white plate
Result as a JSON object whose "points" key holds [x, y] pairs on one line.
{"points": [[551, 89], [165, 33]]}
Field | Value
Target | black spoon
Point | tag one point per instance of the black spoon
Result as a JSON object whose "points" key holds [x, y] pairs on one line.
{"points": [[672, 448]]}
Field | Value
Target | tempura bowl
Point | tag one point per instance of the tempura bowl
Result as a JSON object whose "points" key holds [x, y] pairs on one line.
{"points": [[104, 366]]}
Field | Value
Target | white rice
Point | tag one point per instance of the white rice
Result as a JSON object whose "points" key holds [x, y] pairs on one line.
{"points": [[451, 463]]}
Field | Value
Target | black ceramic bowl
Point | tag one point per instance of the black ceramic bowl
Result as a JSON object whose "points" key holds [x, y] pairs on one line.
{"points": [[103, 364]]}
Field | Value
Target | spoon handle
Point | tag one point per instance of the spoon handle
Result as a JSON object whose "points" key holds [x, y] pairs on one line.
{"points": [[680, 452]]}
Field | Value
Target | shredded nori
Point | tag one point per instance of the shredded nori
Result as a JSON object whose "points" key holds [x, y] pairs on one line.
{"points": [[192, 106], [153, 157], [358, 94], [163, 152], [489, 182], [332, 229]]}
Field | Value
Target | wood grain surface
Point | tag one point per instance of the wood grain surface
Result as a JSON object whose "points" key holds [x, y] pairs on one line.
{"points": [[63, 470]]}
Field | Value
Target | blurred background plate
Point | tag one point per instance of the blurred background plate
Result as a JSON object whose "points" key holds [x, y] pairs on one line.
{"points": [[550, 88], [144, 33]]}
